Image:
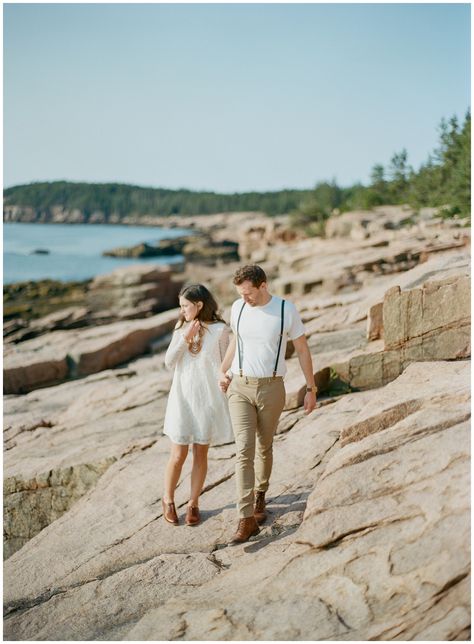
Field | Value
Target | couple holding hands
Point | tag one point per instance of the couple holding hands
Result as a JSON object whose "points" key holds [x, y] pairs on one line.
{"points": [[230, 387]]}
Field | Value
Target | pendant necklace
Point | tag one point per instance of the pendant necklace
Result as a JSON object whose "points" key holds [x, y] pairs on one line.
{"points": [[195, 345]]}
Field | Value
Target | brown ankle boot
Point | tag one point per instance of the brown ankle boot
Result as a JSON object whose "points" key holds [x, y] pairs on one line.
{"points": [[259, 508], [169, 512], [247, 528], [192, 515]]}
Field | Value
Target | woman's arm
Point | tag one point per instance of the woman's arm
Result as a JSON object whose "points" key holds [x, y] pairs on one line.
{"points": [[176, 349], [179, 342], [224, 341]]}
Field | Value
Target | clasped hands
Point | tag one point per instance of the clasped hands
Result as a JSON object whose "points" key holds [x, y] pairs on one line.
{"points": [[309, 400], [224, 381]]}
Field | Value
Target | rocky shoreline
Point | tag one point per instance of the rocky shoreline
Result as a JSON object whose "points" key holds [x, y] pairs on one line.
{"points": [[369, 500], [200, 248]]}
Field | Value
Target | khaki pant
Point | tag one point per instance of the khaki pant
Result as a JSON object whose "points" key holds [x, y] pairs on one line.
{"points": [[255, 405]]}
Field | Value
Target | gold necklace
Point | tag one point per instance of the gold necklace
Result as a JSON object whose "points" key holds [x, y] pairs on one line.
{"points": [[194, 345]]}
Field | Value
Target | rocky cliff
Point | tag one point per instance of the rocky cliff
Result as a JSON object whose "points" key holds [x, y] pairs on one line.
{"points": [[368, 532]]}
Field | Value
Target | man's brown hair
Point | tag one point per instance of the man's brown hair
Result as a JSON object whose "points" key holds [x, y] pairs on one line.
{"points": [[251, 273]]}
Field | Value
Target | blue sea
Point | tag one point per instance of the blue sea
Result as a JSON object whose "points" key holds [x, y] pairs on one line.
{"points": [[75, 250]]}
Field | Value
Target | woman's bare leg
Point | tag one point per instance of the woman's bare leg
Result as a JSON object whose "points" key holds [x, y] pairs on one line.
{"points": [[173, 470], [198, 473]]}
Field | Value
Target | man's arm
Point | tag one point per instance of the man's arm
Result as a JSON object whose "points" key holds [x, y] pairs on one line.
{"points": [[224, 379], [306, 363]]}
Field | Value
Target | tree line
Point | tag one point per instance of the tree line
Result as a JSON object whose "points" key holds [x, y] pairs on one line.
{"points": [[444, 180], [122, 200]]}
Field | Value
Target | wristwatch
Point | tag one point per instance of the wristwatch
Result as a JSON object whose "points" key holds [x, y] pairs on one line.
{"points": [[314, 389]]}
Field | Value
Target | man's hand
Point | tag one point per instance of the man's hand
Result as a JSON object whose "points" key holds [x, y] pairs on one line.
{"points": [[224, 381], [304, 356], [309, 402]]}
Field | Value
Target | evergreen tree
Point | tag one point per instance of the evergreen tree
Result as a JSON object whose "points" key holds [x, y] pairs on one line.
{"points": [[317, 208], [399, 173]]}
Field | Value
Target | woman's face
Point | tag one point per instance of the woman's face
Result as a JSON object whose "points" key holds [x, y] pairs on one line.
{"points": [[189, 309]]}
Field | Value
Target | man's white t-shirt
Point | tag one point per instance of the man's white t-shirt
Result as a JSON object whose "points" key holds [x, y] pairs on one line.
{"points": [[259, 335]]}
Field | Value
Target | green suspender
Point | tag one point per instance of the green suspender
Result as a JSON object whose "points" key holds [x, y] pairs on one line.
{"points": [[279, 342]]}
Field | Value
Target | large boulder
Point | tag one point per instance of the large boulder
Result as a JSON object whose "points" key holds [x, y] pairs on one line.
{"points": [[162, 248], [433, 321], [143, 288], [59, 355], [360, 224], [210, 252], [420, 324], [256, 236]]}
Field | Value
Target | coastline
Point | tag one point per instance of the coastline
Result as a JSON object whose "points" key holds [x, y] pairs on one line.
{"points": [[75, 253]]}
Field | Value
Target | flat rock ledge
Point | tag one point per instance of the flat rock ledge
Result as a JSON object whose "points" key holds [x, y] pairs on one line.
{"points": [[367, 536], [60, 355], [59, 440]]}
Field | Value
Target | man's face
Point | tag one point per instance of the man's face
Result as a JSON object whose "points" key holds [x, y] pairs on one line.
{"points": [[252, 295]]}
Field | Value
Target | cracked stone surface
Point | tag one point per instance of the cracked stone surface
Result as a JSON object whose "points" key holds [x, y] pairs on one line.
{"points": [[368, 530], [57, 451], [372, 537]]}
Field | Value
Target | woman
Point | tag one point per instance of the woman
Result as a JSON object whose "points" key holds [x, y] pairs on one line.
{"points": [[197, 411]]}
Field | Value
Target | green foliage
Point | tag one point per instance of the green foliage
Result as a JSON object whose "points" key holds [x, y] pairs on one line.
{"points": [[337, 386], [122, 200], [313, 211], [444, 180], [400, 174]]}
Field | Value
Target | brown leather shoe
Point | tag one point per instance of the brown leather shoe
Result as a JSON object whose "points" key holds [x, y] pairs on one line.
{"points": [[169, 512], [192, 515], [259, 511], [247, 528]]}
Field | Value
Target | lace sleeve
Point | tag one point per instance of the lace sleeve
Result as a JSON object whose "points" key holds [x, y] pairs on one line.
{"points": [[176, 349], [224, 341]]}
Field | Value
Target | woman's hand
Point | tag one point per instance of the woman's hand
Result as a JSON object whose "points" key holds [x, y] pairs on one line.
{"points": [[224, 381], [192, 330]]}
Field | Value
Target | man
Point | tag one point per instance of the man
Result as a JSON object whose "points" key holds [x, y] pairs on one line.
{"points": [[261, 324]]}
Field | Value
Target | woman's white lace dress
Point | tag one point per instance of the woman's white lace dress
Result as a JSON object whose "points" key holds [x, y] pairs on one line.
{"points": [[197, 410]]}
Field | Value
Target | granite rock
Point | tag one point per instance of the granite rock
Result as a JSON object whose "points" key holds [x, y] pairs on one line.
{"points": [[59, 355]]}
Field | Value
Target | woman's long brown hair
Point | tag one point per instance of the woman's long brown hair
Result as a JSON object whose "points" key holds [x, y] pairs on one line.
{"points": [[199, 293]]}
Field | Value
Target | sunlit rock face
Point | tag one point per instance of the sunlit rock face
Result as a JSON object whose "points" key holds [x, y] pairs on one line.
{"points": [[367, 536]]}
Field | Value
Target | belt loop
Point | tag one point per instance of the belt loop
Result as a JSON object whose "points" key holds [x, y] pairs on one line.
{"points": [[246, 380]]}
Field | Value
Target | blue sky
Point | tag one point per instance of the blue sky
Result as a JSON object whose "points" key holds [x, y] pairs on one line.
{"points": [[227, 97]]}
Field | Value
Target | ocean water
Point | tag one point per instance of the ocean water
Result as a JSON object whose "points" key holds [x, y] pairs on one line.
{"points": [[75, 250]]}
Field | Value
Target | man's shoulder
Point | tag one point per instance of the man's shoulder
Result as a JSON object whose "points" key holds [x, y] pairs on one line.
{"points": [[289, 305], [235, 308]]}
